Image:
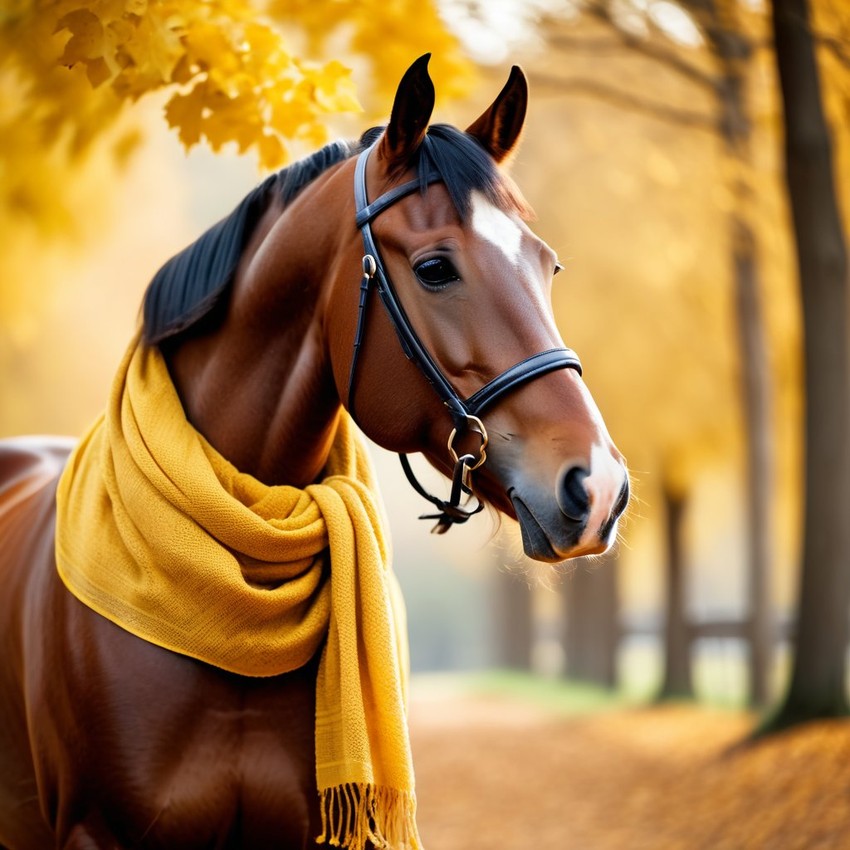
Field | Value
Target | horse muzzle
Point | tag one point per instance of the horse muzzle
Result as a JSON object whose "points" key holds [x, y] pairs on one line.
{"points": [[579, 518]]}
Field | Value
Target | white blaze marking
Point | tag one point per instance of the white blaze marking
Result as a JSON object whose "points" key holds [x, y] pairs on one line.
{"points": [[489, 222]]}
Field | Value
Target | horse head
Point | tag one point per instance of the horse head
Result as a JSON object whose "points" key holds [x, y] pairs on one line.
{"points": [[466, 286]]}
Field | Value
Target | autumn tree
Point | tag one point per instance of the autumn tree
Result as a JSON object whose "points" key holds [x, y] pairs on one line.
{"points": [[225, 67], [670, 46], [819, 675]]}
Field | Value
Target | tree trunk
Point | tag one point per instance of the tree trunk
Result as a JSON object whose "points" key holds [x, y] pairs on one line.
{"points": [[591, 629], [756, 392], [818, 681], [513, 622], [676, 683]]}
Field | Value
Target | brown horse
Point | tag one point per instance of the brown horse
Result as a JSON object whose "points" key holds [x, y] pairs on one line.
{"points": [[107, 741]]}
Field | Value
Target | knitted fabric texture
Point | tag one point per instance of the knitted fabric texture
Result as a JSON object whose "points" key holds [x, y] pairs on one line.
{"points": [[160, 534]]}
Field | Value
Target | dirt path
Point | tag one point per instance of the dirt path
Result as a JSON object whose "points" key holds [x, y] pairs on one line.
{"points": [[497, 774]]}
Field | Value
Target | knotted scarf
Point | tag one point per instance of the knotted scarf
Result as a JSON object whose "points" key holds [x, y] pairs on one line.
{"points": [[160, 534]]}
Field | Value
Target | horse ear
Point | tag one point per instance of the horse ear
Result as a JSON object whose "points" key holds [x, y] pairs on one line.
{"points": [[412, 108], [499, 127]]}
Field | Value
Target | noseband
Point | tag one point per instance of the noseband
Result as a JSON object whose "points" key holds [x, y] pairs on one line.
{"points": [[465, 413]]}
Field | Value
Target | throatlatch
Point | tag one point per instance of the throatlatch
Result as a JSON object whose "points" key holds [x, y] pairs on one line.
{"points": [[465, 413]]}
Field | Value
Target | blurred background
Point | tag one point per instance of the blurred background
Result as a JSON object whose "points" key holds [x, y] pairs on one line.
{"points": [[654, 157]]}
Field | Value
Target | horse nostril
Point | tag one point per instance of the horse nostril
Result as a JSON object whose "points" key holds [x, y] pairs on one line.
{"points": [[572, 496]]}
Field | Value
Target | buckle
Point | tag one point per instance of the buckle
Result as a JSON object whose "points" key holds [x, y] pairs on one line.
{"points": [[476, 426]]}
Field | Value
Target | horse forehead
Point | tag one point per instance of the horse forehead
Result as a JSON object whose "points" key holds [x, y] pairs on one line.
{"points": [[496, 227]]}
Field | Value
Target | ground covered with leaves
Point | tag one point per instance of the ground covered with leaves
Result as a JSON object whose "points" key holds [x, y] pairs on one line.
{"points": [[498, 772]]}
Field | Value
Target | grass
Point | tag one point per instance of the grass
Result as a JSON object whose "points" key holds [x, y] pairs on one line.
{"points": [[719, 680], [556, 695]]}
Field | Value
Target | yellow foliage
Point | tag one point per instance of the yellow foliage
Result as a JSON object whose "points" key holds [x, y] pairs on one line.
{"points": [[388, 34], [229, 72], [230, 75]]}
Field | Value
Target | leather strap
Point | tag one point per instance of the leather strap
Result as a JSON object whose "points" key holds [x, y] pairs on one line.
{"points": [[366, 212], [450, 511], [524, 371], [412, 347]]}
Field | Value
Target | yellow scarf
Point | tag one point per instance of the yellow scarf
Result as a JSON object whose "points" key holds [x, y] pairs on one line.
{"points": [[160, 534]]}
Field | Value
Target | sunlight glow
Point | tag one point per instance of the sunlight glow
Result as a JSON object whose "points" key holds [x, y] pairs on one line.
{"points": [[675, 23], [630, 16], [491, 31]]}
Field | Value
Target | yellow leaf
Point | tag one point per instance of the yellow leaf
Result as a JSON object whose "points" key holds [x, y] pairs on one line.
{"points": [[335, 90], [97, 71], [185, 113], [263, 43], [271, 151], [208, 46], [237, 80], [232, 120], [287, 115], [182, 72], [87, 37], [154, 48]]}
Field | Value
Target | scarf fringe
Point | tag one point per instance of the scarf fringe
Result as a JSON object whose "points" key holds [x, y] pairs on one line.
{"points": [[355, 812]]}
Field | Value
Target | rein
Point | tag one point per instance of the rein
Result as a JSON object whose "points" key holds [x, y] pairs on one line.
{"points": [[465, 413]]}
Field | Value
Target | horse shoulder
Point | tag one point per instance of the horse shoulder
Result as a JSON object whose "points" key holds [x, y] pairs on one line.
{"points": [[106, 740]]}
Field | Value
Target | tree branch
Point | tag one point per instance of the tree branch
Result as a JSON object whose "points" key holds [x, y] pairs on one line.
{"points": [[577, 43], [624, 100], [656, 52]]}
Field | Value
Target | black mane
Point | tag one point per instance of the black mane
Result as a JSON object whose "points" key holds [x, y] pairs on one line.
{"points": [[193, 282], [198, 279]]}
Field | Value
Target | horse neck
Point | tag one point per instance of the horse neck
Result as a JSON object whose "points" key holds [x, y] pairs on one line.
{"points": [[259, 386]]}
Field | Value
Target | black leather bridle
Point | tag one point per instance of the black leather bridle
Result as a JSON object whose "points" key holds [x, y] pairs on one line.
{"points": [[465, 413]]}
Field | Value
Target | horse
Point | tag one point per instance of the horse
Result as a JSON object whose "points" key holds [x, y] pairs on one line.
{"points": [[110, 741]]}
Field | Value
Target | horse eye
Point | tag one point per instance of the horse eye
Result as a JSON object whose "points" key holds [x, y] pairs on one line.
{"points": [[558, 268], [436, 272]]}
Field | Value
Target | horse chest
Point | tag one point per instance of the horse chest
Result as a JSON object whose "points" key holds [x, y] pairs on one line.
{"points": [[178, 754]]}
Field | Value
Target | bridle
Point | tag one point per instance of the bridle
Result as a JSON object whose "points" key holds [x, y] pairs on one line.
{"points": [[465, 413]]}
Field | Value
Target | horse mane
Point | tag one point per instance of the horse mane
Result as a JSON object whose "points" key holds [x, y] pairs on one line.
{"points": [[193, 283]]}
